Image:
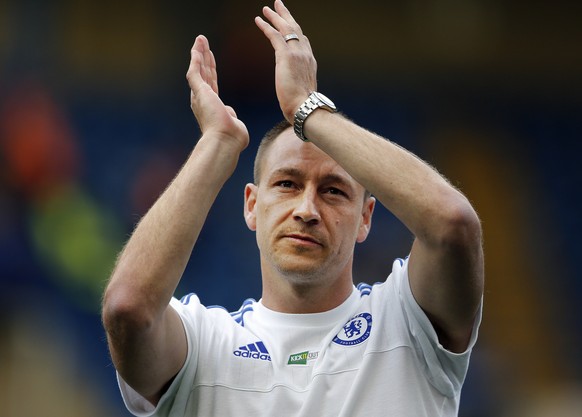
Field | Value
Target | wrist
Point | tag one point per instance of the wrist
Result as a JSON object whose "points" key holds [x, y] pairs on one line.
{"points": [[313, 102], [225, 141], [218, 154], [290, 109]]}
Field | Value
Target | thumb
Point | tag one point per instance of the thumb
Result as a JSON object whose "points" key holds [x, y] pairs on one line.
{"points": [[231, 111]]}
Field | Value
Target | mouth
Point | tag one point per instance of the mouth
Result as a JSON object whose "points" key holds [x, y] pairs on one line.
{"points": [[303, 239]]}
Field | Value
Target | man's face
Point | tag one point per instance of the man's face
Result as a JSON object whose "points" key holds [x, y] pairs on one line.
{"points": [[307, 211]]}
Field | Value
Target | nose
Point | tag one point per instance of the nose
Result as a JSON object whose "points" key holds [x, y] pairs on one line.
{"points": [[306, 209]]}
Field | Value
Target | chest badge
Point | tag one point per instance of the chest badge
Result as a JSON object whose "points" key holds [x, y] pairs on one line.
{"points": [[355, 331]]}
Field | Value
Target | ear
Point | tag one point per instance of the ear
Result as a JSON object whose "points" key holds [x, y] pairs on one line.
{"points": [[366, 223], [250, 200]]}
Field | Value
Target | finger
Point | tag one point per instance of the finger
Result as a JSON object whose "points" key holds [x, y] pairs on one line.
{"points": [[284, 12], [201, 46], [210, 64], [215, 72], [272, 34], [205, 52], [194, 73], [283, 26]]}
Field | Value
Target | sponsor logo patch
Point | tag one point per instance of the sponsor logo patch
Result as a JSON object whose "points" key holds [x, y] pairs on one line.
{"points": [[302, 358], [255, 350], [356, 330]]}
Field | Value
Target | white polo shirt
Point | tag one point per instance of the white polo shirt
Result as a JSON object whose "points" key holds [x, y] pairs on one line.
{"points": [[374, 355]]}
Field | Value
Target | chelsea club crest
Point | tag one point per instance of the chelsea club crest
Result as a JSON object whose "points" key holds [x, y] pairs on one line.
{"points": [[356, 330]]}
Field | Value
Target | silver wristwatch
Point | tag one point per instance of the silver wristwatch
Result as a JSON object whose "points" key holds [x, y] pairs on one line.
{"points": [[314, 101]]}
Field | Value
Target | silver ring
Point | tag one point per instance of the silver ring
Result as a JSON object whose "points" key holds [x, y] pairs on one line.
{"points": [[291, 36]]}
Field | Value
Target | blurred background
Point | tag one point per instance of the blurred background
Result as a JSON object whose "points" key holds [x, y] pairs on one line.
{"points": [[95, 121]]}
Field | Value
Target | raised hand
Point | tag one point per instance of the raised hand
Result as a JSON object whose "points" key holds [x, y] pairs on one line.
{"points": [[212, 114], [296, 68]]}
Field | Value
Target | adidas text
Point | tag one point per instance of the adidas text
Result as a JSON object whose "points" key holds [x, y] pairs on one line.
{"points": [[253, 351]]}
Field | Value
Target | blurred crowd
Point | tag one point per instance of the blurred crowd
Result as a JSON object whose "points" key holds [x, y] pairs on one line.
{"points": [[95, 121]]}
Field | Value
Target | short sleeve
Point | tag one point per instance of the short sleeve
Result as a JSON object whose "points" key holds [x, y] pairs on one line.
{"points": [[137, 404], [445, 370]]}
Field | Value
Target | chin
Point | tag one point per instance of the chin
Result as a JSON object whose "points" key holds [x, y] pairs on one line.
{"points": [[302, 274], [301, 267]]}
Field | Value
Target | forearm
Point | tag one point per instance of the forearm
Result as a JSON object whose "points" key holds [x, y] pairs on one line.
{"points": [[412, 190], [153, 261]]}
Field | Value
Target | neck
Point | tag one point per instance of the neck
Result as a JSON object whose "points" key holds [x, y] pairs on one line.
{"points": [[282, 295]]}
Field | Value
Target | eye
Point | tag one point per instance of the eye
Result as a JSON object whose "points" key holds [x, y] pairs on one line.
{"points": [[335, 191], [284, 184]]}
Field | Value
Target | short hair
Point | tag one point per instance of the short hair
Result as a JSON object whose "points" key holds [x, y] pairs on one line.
{"points": [[267, 141]]}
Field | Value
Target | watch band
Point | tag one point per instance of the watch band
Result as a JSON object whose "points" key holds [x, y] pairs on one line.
{"points": [[314, 101]]}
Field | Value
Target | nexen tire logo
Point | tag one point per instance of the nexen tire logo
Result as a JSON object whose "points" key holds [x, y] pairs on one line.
{"points": [[253, 351]]}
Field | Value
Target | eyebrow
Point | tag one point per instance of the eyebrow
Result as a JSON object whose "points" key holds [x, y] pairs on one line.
{"points": [[293, 172]]}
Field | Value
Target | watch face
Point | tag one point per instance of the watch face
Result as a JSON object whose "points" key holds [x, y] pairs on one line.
{"points": [[326, 100]]}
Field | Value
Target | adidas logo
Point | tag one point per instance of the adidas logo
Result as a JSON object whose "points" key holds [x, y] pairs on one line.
{"points": [[253, 351]]}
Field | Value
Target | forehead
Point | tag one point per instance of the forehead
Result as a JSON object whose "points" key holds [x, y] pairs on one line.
{"points": [[289, 152]]}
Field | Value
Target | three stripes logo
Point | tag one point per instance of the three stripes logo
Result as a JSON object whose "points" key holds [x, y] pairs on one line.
{"points": [[255, 350]]}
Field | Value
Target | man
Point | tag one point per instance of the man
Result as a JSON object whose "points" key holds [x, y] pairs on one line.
{"points": [[314, 345]]}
